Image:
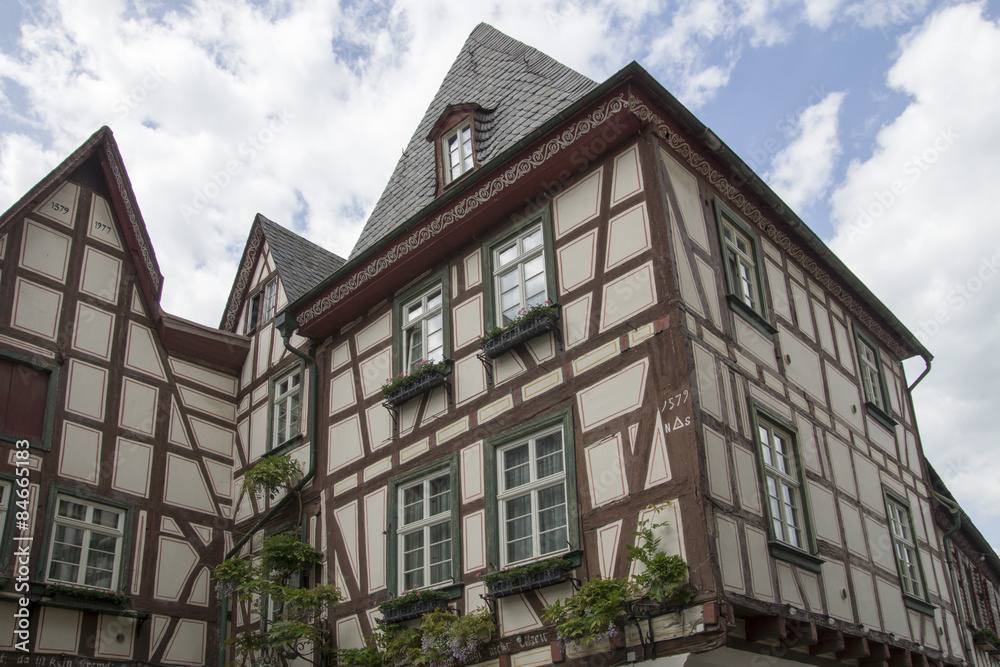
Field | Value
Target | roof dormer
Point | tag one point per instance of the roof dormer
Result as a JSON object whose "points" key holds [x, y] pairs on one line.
{"points": [[454, 138]]}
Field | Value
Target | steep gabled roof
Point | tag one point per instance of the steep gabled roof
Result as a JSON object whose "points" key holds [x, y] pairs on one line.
{"points": [[301, 265], [517, 88]]}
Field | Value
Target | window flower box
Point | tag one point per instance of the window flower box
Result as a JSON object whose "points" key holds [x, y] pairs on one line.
{"points": [[425, 377], [412, 605], [527, 577], [87, 596], [532, 323], [986, 640]]}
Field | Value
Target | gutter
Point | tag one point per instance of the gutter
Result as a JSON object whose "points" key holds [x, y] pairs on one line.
{"points": [[285, 323], [927, 369]]}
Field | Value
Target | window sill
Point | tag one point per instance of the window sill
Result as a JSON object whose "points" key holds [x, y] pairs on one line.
{"points": [[795, 556], [32, 444], [284, 447], [755, 319], [918, 605], [880, 416]]}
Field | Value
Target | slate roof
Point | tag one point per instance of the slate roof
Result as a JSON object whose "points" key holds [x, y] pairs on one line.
{"points": [[517, 87], [301, 263]]}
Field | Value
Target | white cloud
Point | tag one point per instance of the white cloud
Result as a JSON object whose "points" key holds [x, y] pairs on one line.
{"points": [[802, 171], [917, 222]]}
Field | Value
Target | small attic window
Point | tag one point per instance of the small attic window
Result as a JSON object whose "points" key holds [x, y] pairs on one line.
{"points": [[454, 139], [457, 150]]}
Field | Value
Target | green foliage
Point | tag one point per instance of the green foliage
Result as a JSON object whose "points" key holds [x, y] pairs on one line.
{"points": [[523, 315], [91, 594], [420, 369], [987, 635], [272, 475], [665, 579], [285, 553], [530, 568], [369, 656], [410, 598], [597, 608]]}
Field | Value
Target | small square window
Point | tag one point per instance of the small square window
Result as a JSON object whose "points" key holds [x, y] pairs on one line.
{"points": [[424, 537], [286, 409], [423, 329], [86, 543], [456, 147]]}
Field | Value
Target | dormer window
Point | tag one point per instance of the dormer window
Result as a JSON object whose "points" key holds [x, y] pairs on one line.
{"points": [[457, 150], [454, 139]]}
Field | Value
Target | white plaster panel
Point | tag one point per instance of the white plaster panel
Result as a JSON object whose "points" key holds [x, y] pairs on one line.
{"points": [[627, 295], [221, 477], [472, 470], [258, 432], [608, 547], [374, 333], [881, 438], [787, 589], [803, 316], [718, 468], [746, 479], [869, 483], [375, 507], [379, 423], [345, 443], [204, 376], [470, 378], [474, 541], [804, 367], [58, 630], [516, 615], [850, 518], [686, 190], [45, 251], [707, 275], [506, 366], [263, 338], [880, 544], [199, 589], [838, 595], [776, 405], [541, 348], [133, 464], [61, 205], [340, 356], [840, 462], [349, 633], [80, 454], [578, 204], [823, 329], [100, 275], [258, 394], [844, 397], [760, 563], [576, 321], [779, 294], [685, 274], [613, 396], [576, 262], [138, 406], [8, 622], [347, 521], [205, 403], [342, 391], [708, 381], [86, 389], [808, 447], [36, 309], [754, 342], [658, 470], [109, 628], [467, 321], [452, 430], [542, 384], [628, 236], [102, 226], [184, 485], [187, 646], [414, 450], [175, 562], [628, 176], [729, 554], [823, 513], [92, 330], [375, 371], [893, 612], [473, 270], [436, 404], [606, 471], [213, 438], [141, 353]]}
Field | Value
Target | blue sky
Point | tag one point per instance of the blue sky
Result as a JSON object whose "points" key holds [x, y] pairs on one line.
{"points": [[878, 121]]}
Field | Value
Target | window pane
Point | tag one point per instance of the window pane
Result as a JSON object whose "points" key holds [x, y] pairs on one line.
{"points": [[440, 495], [548, 450], [63, 571], [72, 510], [413, 504], [516, 468], [507, 255], [532, 240]]}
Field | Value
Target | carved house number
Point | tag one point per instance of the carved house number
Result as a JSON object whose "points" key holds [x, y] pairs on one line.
{"points": [[671, 404]]}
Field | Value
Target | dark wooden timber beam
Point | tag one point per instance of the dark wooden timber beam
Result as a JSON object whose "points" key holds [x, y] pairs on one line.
{"points": [[854, 647], [760, 628], [827, 641], [799, 634]]}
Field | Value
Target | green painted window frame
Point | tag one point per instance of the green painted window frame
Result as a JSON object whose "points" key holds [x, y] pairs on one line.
{"points": [[758, 319], [562, 417], [881, 415], [543, 217], [392, 570], [125, 558], [277, 449], [51, 400], [803, 557], [441, 277], [919, 603]]}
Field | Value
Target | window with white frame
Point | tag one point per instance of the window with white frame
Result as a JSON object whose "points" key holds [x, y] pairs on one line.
{"points": [[286, 408], [871, 373], [86, 545], [424, 537], [253, 313], [457, 149], [905, 547], [519, 274], [741, 265], [270, 300], [781, 484], [532, 495], [423, 329]]}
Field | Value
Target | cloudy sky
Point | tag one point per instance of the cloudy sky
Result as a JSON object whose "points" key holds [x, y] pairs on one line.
{"points": [[878, 121]]}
